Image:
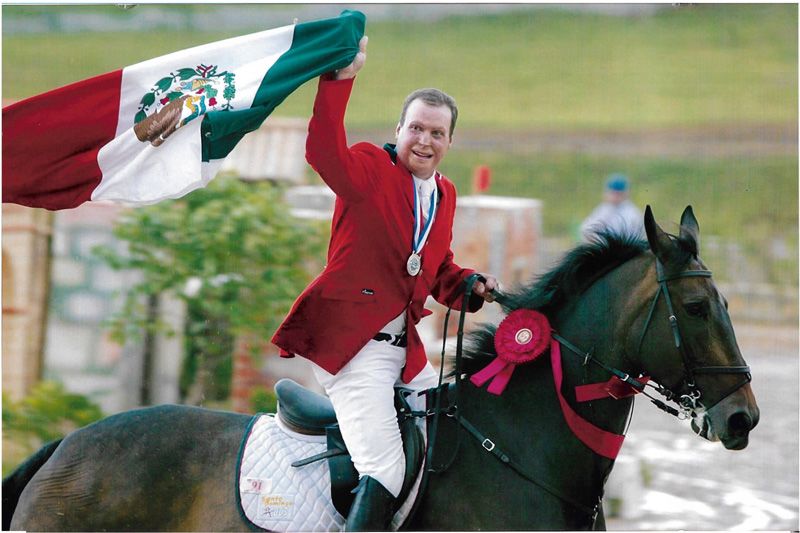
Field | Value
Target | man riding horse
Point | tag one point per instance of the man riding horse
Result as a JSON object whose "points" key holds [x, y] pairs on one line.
{"points": [[389, 250]]}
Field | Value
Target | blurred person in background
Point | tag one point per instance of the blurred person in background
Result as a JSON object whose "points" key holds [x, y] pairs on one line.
{"points": [[617, 213]]}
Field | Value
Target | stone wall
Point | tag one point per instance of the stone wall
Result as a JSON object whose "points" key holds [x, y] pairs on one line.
{"points": [[84, 292], [78, 351]]}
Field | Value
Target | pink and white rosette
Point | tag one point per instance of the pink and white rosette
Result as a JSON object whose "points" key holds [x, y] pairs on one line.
{"points": [[521, 337]]}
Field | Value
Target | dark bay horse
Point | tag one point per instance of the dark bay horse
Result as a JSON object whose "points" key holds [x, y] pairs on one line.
{"points": [[634, 307]]}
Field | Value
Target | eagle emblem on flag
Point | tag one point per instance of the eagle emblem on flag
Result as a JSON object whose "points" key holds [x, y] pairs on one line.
{"points": [[181, 97]]}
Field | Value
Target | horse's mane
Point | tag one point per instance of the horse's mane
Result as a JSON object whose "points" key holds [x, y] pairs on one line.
{"points": [[577, 270]]}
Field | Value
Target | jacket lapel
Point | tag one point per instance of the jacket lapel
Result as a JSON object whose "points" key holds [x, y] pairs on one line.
{"points": [[406, 180]]}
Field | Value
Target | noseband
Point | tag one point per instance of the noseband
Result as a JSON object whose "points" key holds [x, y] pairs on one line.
{"points": [[690, 400]]}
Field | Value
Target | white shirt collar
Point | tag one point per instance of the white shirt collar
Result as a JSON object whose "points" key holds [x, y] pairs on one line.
{"points": [[419, 181]]}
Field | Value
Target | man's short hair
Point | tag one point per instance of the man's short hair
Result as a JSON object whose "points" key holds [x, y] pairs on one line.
{"points": [[433, 97]]}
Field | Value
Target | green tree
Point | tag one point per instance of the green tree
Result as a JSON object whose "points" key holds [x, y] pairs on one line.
{"points": [[234, 254], [263, 400]]}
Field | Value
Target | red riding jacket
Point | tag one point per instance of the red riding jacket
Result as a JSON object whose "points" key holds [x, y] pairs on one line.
{"points": [[365, 283]]}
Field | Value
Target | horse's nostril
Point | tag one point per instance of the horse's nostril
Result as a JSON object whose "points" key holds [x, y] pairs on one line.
{"points": [[740, 423]]}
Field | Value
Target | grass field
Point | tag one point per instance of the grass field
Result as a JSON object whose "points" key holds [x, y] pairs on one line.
{"points": [[719, 65], [667, 184]]}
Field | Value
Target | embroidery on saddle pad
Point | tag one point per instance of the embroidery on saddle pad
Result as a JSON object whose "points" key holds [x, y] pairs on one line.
{"points": [[273, 495]]}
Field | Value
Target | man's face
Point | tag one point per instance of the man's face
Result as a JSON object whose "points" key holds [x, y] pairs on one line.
{"points": [[424, 138], [616, 197]]}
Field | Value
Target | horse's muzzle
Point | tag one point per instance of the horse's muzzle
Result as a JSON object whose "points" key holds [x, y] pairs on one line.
{"points": [[730, 421]]}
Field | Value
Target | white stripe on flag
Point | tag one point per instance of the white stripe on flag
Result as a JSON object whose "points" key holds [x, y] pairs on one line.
{"points": [[249, 56], [138, 173]]}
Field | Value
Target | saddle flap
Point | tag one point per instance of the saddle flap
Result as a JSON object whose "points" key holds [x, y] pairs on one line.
{"points": [[344, 476], [414, 451]]}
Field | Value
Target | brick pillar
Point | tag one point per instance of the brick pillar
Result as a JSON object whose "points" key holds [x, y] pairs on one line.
{"points": [[249, 372], [245, 376], [26, 265]]}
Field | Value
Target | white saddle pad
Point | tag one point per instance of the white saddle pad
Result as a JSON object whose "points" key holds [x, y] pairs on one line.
{"points": [[276, 496]]}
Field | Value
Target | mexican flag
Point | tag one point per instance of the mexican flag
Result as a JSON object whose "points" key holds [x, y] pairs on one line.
{"points": [[161, 128]]}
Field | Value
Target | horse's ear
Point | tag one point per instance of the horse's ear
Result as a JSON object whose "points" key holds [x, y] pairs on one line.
{"points": [[660, 242], [690, 231]]}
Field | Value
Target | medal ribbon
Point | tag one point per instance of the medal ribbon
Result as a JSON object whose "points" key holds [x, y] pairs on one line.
{"points": [[421, 234]]}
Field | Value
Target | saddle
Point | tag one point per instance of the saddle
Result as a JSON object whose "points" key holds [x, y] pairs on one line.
{"points": [[309, 413]]}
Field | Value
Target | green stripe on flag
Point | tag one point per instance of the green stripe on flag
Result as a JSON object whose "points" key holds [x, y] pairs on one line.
{"points": [[317, 47]]}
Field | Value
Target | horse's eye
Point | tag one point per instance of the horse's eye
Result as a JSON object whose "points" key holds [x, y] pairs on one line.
{"points": [[697, 309]]}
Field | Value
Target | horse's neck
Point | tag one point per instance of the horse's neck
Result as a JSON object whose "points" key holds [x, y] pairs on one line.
{"points": [[599, 324], [602, 318]]}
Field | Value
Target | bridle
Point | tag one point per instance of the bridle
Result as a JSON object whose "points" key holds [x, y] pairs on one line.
{"points": [[689, 401]]}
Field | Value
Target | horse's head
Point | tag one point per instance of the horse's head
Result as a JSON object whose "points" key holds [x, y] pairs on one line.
{"points": [[648, 308], [685, 340]]}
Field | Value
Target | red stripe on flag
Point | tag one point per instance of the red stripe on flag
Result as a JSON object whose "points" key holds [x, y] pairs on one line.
{"points": [[50, 142]]}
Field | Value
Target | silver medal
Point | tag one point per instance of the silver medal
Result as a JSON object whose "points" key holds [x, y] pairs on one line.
{"points": [[414, 264]]}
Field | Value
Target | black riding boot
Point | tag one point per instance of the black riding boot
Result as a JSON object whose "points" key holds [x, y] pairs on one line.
{"points": [[372, 509]]}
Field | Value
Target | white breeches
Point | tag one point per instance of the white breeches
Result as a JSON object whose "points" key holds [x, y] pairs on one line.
{"points": [[362, 393]]}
